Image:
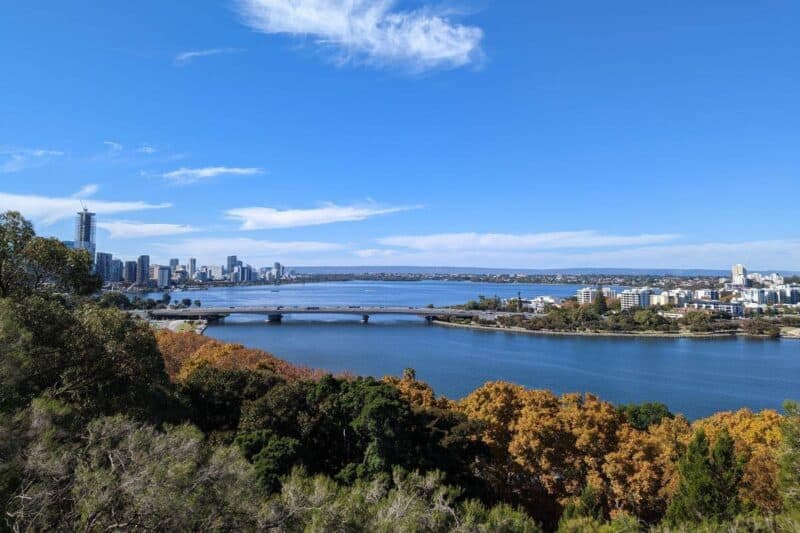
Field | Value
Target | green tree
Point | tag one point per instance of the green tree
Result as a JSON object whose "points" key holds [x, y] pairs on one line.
{"points": [[790, 456], [15, 234], [599, 304], [29, 263], [642, 416], [709, 480]]}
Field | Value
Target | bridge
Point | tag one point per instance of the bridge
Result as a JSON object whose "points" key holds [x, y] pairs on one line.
{"points": [[276, 313]]}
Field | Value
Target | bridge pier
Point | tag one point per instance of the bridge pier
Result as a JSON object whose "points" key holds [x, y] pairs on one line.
{"points": [[365, 319], [275, 319]]}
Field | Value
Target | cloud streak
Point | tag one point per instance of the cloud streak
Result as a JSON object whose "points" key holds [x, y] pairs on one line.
{"points": [[256, 251], [370, 30], [255, 218], [124, 229], [14, 159], [189, 176], [49, 210], [184, 58], [527, 241]]}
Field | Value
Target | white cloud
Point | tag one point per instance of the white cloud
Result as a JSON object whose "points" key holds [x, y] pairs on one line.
{"points": [[146, 149], [124, 229], [253, 251], [757, 255], [185, 58], [375, 252], [188, 176], [369, 29], [254, 218], [86, 191], [526, 241], [49, 210], [113, 146], [14, 159]]}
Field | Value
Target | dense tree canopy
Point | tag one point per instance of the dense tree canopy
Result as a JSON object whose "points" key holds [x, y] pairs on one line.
{"points": [[108, 426]]}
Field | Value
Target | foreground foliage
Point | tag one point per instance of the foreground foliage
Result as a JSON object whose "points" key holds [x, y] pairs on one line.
{"points": [[106, 426]]}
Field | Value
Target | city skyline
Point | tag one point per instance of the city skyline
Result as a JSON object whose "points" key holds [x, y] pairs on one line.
{"points": [[657, 137]]}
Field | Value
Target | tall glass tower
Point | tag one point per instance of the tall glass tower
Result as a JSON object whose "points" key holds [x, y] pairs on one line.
{"points": [[85, 228]]}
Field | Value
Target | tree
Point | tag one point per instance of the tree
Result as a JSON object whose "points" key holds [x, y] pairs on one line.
{"points": [[709, 482], [790, 456], [644, 415], [600, 306], [29, 263], [15, 234]]}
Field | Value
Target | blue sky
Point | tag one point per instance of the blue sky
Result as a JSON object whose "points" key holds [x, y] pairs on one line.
{"points": [[519, 134]]}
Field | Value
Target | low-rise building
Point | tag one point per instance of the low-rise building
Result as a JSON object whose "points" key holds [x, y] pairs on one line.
{"points": [[732, 308]]}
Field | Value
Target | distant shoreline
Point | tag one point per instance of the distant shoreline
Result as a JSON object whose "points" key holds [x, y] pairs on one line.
{"points": [[631, 335]]}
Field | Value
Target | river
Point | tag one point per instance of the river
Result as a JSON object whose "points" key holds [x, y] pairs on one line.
{"points": [[695, 377]]}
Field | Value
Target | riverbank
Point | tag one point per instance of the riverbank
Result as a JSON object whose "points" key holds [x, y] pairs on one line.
{"points": [[632, 334]]}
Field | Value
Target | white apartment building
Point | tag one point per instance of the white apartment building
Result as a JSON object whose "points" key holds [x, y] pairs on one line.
{"points": [[739, 275], [732, 308], [706, 294], [587, 295], [635, 298]]}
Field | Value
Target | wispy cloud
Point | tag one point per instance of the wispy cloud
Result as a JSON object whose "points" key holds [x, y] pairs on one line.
{"points": [[184, 58], [255, 251], [14, 159], [371, 30], [113, 146], [125, 229], [48, 210], [188, 176], [254, 218], [526, 241], [146, 149], [86, 191], [623, 252]]}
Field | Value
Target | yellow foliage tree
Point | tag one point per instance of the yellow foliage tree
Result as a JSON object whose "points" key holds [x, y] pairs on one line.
{"points": [[418, 393], [641, 472]]}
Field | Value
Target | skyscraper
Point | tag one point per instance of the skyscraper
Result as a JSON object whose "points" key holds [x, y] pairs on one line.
{"points": [[173, 265], [143, 270], [129, 272], [85, 232], [103, 266], [115, 275], [739, 275], [232, 260], [192, 267]]}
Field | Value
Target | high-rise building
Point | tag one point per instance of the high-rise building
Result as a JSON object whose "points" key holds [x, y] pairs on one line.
{"points": [[116, 271], [85, 228], [232, 260], [739, 275], [192, 267], [173, 265], [277, 270], [143, 270], [102, 266], [129, 272], [162, 277]]}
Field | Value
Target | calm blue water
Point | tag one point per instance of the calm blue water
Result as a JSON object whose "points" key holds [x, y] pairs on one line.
{"points": [[694, 377]]}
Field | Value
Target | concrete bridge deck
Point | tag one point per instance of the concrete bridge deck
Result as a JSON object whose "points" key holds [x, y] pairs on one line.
{"points": [[275, 313]]}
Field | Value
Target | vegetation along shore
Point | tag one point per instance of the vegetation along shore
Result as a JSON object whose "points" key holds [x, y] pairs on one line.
{"points": [[109, 425]]}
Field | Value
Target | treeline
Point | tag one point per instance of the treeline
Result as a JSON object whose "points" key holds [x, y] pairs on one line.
{"points": [[108, 426], [604, 315]]}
